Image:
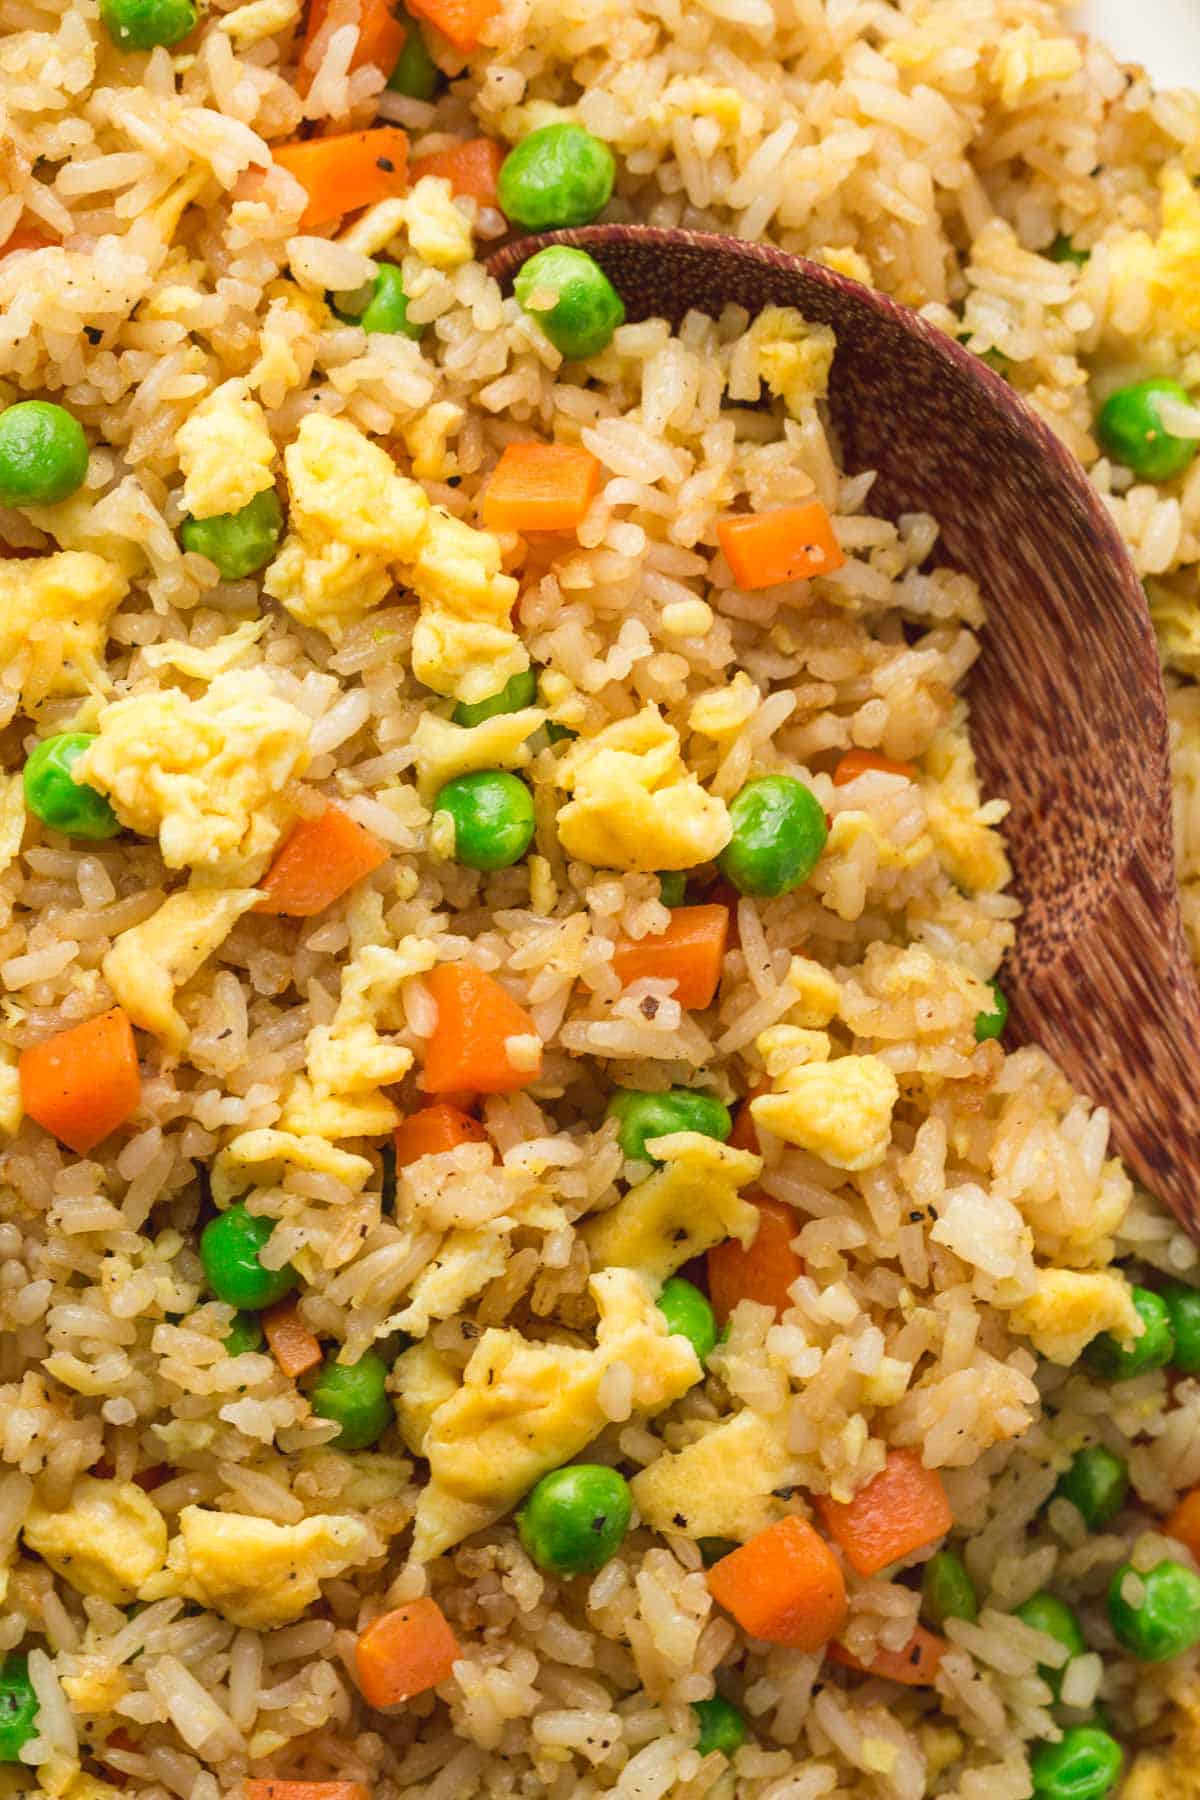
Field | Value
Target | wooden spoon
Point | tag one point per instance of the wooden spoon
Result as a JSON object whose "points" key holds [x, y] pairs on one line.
{"points": [[1068, 711]]}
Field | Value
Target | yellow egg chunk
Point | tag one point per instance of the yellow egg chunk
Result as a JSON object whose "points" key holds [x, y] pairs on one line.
{"points": [[206, 776], [356, 528], [680, 1211], [150, 961], [254, 1572], [524, 1408], [333, 1116], [225, 451], [1170, 1773], [259, 1159], [720, 1486], [841, 1111], [108, 1539], [54, 611], [1068, 1309], [438, 232], [445, 749], [634, 803], [422, 1379], [348, 1056]]}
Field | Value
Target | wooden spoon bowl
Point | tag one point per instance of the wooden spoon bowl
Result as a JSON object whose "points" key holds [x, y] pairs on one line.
{"points": [[1068, 711]]}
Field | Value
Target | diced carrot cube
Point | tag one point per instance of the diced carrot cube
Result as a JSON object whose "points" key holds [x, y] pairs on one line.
{"points": [[689, 952], [433, 1130], [792, 543], [472, 168], [785, 1585], [82, 1083], [914, 1666], [405, 1652], [903, 1509], [292, 1344], [321, 859], [468, 1048], [765, 1271], [540, 487]]}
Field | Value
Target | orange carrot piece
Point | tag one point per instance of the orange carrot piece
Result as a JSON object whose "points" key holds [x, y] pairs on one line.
{"points": [[381, 35], [785, 1586], [901, 1510], [321, 860], [27, 237], [689, 953], [744, 1135], [467, 1049], [462, 21], [914, 1666], [404, 1652], [292, 1344], [791, 543], [1184, 1522], [540, 487], [434, 1129], [82, 1083], [857, 762], [346, 171], [306, 1790], [472, 168], [765, 1271]]}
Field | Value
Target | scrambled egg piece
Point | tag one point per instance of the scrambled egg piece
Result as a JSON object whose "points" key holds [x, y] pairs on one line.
{"points": [[1027, 62], [206, 776], [309, 1114], [87, 1787], [680, 1211], [356, 526], [348, 1055], [793, 357], [635, 803], [963, 828], [524, 1408], [107, 1540], [206, 664], [841, 1111], [438, 231], [818, 995], [1165, 270], [466, 1260], [1170, 1774], [225, 451], [1068, 1309], [259, 1158], [445, 750], [720, 1486], [11, 1109], [422, 1379], [256, 1573], [464, 644], [97, 1688], [54, 613], [150, 961]]}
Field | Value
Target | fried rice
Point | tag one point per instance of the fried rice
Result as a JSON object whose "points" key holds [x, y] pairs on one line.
{"points": [[188, 1558]]}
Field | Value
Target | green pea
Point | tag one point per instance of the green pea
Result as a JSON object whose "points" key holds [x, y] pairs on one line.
{"points": [[688, 1315], [558, 176], [18, 1707], [991, 1022], [1131, 430], [947, 1591], [57, 799], [1165, 1620], [1183, 1305], [493, 818], [1084, 1765], [722, 1726], [1096, 1485], [644, 1116], [385, 305], [672, 887], [144, 24], [575, 1518], [1153, 1350], [355, 1396], [416, 75], [246, 1333], [241, 542], [713, 1549], [518, 692], [43, 454], [1063, 250], [585, 308], [1045, 1612], [779, 832], [231, 1247]]}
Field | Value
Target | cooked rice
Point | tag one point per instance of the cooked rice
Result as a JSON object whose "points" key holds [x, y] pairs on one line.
{"points": [[935, 148]]}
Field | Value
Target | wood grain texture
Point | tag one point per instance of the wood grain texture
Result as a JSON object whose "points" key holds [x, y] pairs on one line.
{"points": [[1068, 711]]}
